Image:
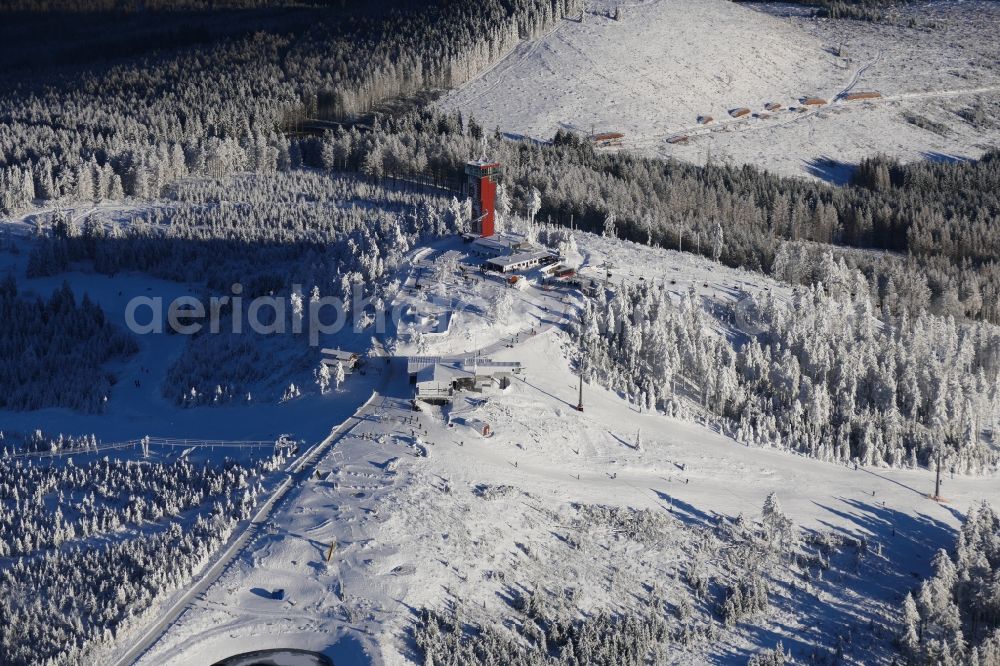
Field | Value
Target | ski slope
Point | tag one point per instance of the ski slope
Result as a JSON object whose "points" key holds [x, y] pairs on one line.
{"points": [[663, 64], [420, 514], [655, 72]]}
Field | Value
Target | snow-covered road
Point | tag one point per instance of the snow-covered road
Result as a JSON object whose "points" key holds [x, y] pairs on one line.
{"points": [[296, 473]]}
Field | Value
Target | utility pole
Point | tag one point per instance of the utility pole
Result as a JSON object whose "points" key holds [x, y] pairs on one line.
{"points": [[579, 405], [937, 476]]}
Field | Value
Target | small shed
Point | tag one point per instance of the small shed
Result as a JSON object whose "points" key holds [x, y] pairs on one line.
{"points": [[814, 101], [481, 427], [605, 139], [678, 138], [772, 106], [859, 96], [740, 112], [348, 359], [704, 120]]}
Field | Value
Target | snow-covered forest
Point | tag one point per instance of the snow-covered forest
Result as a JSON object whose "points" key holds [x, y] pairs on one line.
{"points": [[267, 233], [293, 150], [827, 375], [938, 214], [18, 443], [954, 618], [44, 339], [87, 548], [219, 107]]}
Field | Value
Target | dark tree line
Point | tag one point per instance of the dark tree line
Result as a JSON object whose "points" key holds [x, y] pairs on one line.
{"points": [[52, 351], [936, 217]]}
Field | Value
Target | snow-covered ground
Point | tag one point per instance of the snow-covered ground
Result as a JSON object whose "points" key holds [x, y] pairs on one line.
{"points": [[420, 514], [662, 65], [469, 296], [137, 406]]}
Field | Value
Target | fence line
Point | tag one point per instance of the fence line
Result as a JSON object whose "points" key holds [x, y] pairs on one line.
{"points": [[146, 441]]}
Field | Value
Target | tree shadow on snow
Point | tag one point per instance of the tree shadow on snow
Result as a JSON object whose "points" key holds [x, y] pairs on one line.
{"points": [[886, 478], [626, 444], [544, 392], [907, 541], [684, 512], [944, 158], [831, 170], [882, 554]]}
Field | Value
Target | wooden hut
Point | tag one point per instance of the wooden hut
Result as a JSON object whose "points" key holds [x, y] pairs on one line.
{"points": [[858, 96], [607, 139]]}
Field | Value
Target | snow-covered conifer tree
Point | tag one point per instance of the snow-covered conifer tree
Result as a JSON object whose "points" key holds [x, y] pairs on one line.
{"points": [[338, 375], [458, 220], [323, 377], [610, 230], [717, 240], [534, 204], [503, 208]]}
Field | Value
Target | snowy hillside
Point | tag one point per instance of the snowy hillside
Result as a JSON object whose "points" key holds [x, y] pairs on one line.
{"points": [[694, 360], [677, 68], [609, 510]]}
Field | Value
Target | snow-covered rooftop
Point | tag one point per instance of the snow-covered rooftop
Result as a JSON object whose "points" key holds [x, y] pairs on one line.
{"points": [[521, 258], [416, 364]]}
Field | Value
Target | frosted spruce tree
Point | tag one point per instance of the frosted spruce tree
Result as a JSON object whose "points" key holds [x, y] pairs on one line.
{"points": [[338, 375], [323, 378]]}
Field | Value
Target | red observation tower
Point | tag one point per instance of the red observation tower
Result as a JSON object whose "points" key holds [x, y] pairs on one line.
{"points": [[481, 186]]}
